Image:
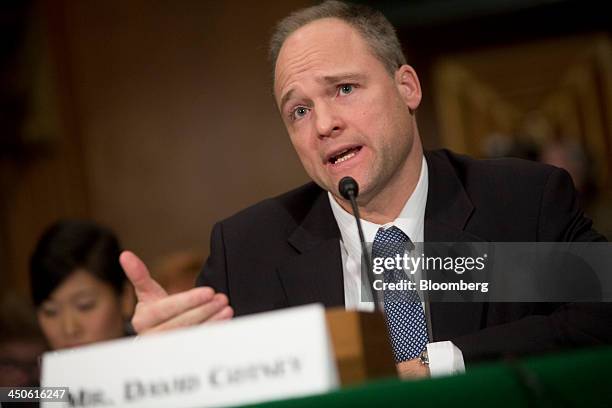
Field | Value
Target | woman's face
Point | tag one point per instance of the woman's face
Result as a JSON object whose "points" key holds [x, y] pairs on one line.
{"points": [[82, 310]]}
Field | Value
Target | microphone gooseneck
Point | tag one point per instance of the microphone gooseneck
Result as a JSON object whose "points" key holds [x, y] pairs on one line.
{"points": [[349, 189]]}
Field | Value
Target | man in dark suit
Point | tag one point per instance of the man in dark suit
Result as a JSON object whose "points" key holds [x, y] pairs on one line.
{"points": [[284, 252], [348, 101]]}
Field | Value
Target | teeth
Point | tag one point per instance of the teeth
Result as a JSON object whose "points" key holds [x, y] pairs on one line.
{"points": [[345, 158]]}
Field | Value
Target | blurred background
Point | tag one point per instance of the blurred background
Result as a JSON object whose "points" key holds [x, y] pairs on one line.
{"points": [[155, 118]]}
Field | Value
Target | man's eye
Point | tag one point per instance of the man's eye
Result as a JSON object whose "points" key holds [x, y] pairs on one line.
{"points": [[299, 112], [345, 89]]}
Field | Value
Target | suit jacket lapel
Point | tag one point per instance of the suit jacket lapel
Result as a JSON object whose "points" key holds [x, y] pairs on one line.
{"points": [[446, 215], [315, 274]]}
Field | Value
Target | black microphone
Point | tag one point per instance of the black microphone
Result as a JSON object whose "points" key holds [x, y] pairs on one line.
{"points": [[349, 189]]}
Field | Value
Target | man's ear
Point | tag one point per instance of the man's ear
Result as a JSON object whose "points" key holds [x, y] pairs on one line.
{"points": [[409, 87]]}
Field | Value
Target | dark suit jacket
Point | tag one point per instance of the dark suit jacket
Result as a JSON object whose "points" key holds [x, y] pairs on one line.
{"points": [[285, 252]]}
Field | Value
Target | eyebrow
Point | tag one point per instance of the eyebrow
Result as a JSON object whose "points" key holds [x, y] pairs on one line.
{"points": [[349, 76], [82, 293], [329, 79], [285, 98]]}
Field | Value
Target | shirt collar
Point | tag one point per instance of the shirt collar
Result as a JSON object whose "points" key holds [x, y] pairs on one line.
{"points": [[410, 219]]}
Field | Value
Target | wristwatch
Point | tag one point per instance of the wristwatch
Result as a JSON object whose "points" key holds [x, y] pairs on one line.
{"points": [[424, 357]]}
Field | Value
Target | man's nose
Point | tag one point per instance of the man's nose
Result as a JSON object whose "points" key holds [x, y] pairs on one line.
{"points": [[328, 121]]}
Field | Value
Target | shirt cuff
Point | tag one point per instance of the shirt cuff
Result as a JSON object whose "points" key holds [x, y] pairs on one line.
{"points": [[444, 359]]}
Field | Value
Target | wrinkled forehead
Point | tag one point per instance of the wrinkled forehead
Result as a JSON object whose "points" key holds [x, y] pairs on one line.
{"points": [[318, 44]]}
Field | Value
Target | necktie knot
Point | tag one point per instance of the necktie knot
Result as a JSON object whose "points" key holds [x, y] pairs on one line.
{"points": [[391, 241]]}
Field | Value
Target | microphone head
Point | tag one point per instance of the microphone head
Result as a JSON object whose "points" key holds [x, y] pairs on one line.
{"points": [[348, 187]]}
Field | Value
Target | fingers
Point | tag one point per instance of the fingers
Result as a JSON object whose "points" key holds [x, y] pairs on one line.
{"points": [[153, 314], [156, 311], [214, 310], [226, 313], [146, 288]]}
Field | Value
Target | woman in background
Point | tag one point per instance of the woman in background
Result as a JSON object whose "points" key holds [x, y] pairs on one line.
{"points": [[79, 290]]}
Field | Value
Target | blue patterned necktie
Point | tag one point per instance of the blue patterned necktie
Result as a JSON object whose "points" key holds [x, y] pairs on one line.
{"points": [[403, 309]]}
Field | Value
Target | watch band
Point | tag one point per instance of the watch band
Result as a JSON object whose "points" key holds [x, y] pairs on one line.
{"points": [[424, 357]]}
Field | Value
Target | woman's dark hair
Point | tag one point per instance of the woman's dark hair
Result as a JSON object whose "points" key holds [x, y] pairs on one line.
{"points": [[68, 245]]}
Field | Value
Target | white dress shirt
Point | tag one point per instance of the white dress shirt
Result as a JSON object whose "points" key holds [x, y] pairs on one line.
{"points": [[444, 357]]}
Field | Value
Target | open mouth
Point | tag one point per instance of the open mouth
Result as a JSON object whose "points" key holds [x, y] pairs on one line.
{"points": [[344, 155]]}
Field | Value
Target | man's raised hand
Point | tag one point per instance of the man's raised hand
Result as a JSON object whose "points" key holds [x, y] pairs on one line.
{"points": [[157, 311]]}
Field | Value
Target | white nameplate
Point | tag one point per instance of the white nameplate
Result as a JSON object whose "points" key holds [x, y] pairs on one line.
{"points": [[250, 359]]}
